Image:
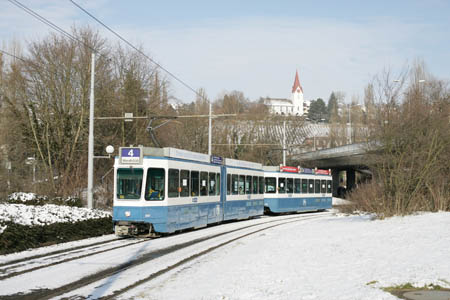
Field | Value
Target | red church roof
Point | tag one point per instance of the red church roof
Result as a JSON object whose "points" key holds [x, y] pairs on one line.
{"points": [[297, 83]]}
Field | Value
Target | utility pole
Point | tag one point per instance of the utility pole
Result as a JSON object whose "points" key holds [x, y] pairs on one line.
{"points": [[91, 138], [350, 122], [284, 143], [209, 129]]}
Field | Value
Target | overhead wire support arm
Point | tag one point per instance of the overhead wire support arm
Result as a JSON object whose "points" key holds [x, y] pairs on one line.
{"points": [[164, 117], [119, 118]]}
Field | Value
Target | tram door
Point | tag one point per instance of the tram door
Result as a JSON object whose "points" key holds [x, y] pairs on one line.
{"points": [[223, 190]]}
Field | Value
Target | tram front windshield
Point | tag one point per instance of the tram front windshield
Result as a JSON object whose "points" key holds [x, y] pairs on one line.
{"points": [[129, 183]]}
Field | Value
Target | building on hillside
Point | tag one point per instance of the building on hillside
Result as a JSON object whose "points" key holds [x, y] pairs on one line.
{"points": [[296, 106]]}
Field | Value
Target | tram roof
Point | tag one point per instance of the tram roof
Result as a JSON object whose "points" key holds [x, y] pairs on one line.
{"points": [[242, 164], [176, 153], [195, 156]]}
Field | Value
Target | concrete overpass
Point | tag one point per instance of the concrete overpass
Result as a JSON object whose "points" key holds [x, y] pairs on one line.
{"points": [[349, 158]]}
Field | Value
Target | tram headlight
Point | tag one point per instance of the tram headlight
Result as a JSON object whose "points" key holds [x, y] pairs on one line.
{"points": [[127, 213]]}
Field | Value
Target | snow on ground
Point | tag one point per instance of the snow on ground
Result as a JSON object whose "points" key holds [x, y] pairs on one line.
{"points": [[53, 248], [346, 257], [340, 201], [21, 196], [46, 214]]}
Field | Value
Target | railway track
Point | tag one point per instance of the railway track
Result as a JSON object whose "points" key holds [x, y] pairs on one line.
{"points": [[146, 261], [5, 261], [34, 263]]}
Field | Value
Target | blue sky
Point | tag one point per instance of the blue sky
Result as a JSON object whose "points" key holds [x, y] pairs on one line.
{"points": [[256, 46]]}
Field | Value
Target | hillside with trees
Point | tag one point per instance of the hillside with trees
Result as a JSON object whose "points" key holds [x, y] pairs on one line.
{"points": [[44, 98]]}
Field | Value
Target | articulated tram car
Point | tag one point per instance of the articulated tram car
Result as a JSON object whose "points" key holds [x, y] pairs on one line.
{"points": [[163, 190], [166, 190], [292, 189]]}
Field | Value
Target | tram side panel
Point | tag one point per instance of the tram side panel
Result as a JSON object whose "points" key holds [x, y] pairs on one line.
{"points": [[292, 192], [194, 194], [243, 194]]}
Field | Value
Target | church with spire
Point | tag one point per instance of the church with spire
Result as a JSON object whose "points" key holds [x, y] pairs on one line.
{"points": [[296, 106]]}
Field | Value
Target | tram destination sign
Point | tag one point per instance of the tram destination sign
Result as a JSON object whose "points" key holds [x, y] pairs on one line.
{"points": [[307, 171], [218, 160], [322, 172], [130, 155], [288, 169]]}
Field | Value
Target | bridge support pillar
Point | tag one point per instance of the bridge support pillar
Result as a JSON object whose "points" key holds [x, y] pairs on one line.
{"points": [[351, 179], [335, 185]]}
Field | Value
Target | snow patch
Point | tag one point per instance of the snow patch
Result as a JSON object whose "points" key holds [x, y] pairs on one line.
{"points": [[21, 196], [47, 214]]}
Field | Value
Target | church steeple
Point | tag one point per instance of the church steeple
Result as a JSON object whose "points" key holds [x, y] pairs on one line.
{"points": [[297, 97], [297, 84]]}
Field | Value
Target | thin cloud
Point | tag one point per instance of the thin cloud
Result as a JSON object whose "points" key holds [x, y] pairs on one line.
{"points": [[259, 56]]}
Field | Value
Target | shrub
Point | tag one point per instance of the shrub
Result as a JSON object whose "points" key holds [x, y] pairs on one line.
{"points": [[38, 200], [411, 165], [18, 237]]}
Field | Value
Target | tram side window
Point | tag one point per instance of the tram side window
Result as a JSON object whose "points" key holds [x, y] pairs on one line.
{"points": [[174, 182], [297, 186], [228, 184], [281, 185], [184, 183], [217, 184], [323, 186], [271, 185], [329, 191], [304, 186], [317, 186], [241, 184], [255, 185], [154, 188], [248, 184], [203, 183], [261, 185], [212, 184], [234, 184], [129, 183], [290, 185], [311, 186], [195, 179]]}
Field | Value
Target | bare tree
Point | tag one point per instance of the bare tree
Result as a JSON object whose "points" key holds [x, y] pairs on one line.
{"points": [[413, 133]]}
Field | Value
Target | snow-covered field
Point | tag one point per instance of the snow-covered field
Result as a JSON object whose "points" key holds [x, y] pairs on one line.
{"points": [[335, 257], [346, 257]]}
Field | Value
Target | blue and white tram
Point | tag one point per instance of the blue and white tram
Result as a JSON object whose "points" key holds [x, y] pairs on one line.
{"points": [[167, 190], [244, 195], [292, 189]]}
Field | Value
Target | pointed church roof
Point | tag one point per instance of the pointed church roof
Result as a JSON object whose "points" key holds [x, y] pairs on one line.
{"points": [[297, 83]]}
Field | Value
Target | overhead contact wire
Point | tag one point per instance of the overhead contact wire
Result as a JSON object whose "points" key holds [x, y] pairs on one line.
{"points": [[139, 51]]}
